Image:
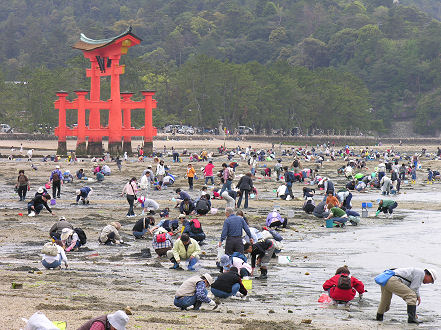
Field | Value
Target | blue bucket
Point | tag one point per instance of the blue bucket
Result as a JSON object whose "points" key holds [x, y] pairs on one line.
{"points": [[329, 223], [369, 205]]}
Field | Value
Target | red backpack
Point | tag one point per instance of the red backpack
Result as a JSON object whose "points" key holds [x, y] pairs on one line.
{"points": [[161, 238]]}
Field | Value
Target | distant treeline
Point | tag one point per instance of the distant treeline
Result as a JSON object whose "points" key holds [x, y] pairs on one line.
{"points": [[330, 64]]}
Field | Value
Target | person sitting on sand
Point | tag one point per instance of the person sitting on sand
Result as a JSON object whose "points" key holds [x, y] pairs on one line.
{"points": [[337, 215], [115, 321], [184, 248], [342, 288], [193, 292], [229, 284], [110, 235]]}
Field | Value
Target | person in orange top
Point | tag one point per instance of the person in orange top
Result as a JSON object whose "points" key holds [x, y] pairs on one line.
{"points": [[190, 175], [331, 199]]}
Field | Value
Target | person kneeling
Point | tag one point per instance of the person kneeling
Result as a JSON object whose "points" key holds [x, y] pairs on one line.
{"points": [[342, 288], [162, 242], [193, 292], [228, 284]]}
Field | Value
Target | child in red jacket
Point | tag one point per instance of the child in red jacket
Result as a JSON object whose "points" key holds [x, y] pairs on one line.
{"points": [[342, 288]]}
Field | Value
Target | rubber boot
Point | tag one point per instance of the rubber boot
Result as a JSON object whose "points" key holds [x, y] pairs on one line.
{"points": [[379, 317], [191, 263], [263, 274], [175, 264], [411, 312], [197, 305]]}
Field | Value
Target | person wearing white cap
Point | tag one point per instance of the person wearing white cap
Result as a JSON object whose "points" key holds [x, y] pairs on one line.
{"points": [[56, 180], [115, 321], [405, 283], [84, 194], [193, 292]]}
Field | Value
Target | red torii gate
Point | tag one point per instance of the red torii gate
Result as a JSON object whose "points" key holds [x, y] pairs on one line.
{"points": [[104, 56]]}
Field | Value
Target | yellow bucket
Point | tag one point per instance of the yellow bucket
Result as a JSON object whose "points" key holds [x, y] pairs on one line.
{"points": [[60, 325], [248, 284]]}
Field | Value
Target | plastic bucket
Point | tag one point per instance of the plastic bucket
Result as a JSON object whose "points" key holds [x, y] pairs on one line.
{"points": [[329, 223], [364, 213], [369, 204], [248, 284], [53, 201]]}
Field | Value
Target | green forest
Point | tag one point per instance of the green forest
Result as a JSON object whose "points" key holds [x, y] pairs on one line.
{"points": [[328, 64]]}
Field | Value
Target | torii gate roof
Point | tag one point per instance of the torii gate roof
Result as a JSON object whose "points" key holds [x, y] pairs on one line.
{"points": [[87, 44]]}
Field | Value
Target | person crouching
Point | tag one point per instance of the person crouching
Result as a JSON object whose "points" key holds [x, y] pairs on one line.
{"points": [[342, 288], [229, 284], [193, 292]]}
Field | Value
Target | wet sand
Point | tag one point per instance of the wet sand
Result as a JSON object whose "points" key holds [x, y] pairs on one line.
{"points": [[102, 279]]}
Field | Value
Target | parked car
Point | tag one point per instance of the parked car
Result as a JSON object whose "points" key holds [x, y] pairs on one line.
{"points": [[244, 130], [5, 128]]}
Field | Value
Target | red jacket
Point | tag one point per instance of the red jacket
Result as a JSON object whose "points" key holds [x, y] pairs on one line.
{"points": [[208, 170], [343, 295]]}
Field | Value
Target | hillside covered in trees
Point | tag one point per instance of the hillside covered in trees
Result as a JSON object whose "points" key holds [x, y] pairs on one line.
{"points": [[331, 64]]}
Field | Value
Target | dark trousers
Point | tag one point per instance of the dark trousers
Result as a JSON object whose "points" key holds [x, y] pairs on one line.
{"points": [[233, 244], [110, 238], [289, 190], [190, 183], [243, 193], [202, 212], [22, 192], [56, 186], [131, 200], [37, 208], [389, 209]]}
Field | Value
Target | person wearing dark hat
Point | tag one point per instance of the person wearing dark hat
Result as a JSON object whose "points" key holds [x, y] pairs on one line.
{"points": [[37, 203], [405, 283], [229, 284], [57, 228], [114, 321], [193, 292], [184, 248]]}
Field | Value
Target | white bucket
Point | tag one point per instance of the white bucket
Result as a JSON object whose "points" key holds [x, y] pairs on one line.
{"points": [[284, 260]]}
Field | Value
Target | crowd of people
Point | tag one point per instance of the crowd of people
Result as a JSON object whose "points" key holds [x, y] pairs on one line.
{"points": [[241, 247]]}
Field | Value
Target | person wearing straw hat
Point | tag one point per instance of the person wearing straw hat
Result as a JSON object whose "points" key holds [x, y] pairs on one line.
{"points": [[405, 283], [114, 321], [162, 242], [110, 235], [193, 292], [83, 194], [70, 240]]}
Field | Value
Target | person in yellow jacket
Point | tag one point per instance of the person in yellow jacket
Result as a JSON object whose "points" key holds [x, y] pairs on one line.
{"points": [[184, 248], [190, 175]]}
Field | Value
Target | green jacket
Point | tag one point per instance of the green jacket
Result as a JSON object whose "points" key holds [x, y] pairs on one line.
{"points": [[179, 251], [386, 203]]}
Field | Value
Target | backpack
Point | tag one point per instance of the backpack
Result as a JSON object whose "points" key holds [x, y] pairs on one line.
{"points": [[195, 226], [344, 282], [50, 249], [230, 174], [81, 235], [161, 238], [55, 177]]}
